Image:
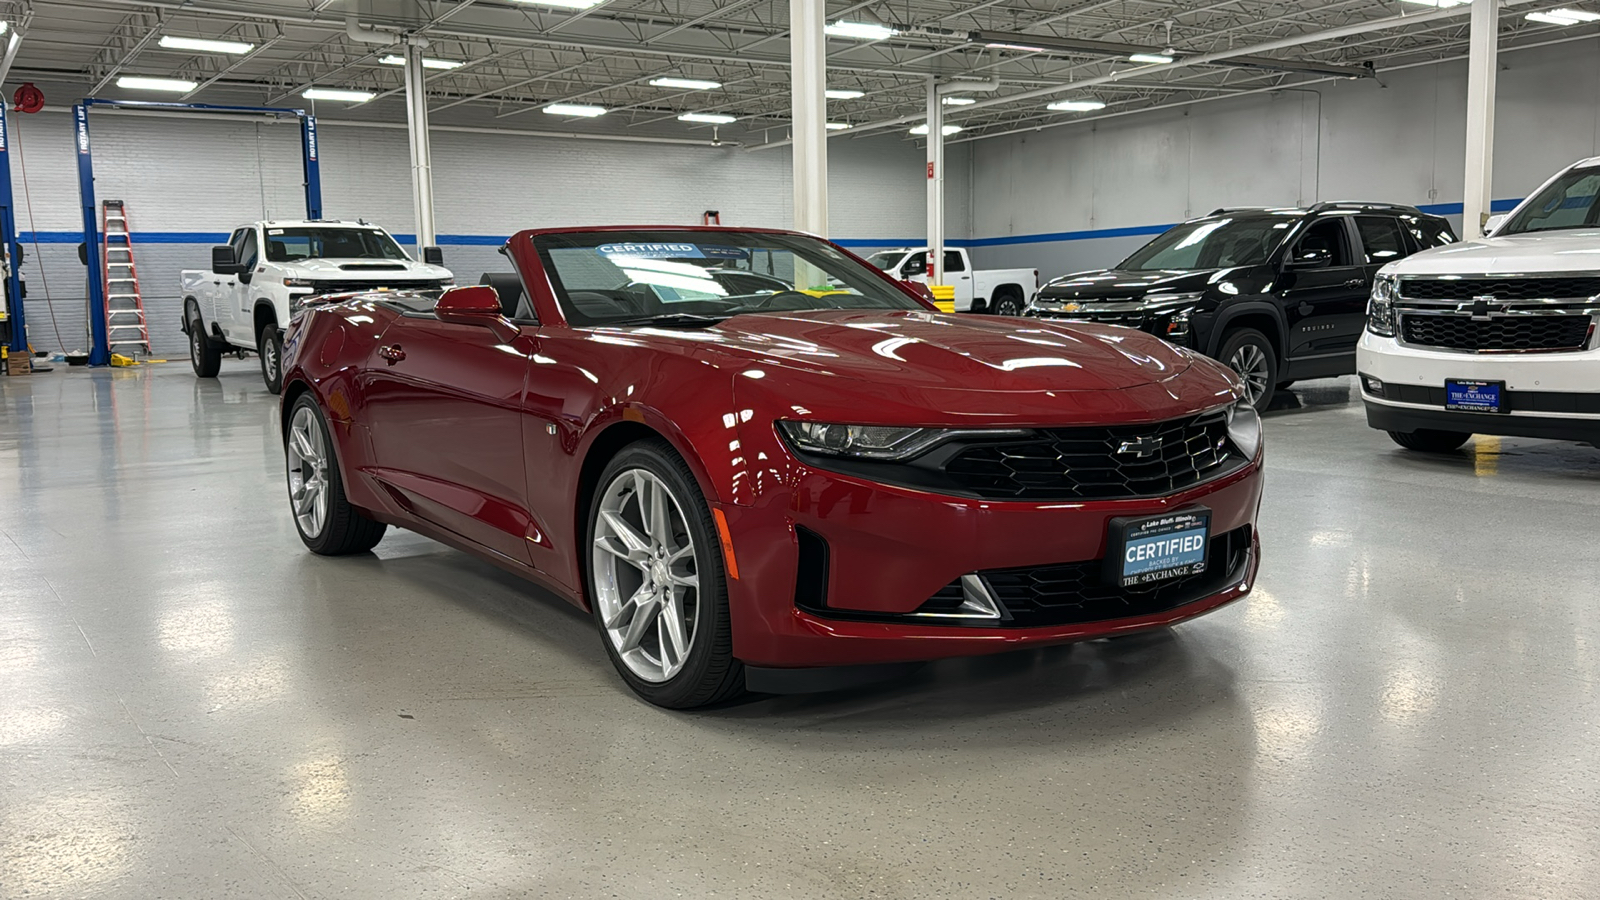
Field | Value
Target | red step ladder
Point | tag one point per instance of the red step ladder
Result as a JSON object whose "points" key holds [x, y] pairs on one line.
{"points": [[125, 322]]}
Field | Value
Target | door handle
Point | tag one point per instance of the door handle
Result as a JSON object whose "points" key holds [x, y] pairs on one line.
{"points": [[216, 282], [392, 353], [1356, 282]]}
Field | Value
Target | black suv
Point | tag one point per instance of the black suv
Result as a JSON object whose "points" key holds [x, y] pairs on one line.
{"points": [[1278, 294]]}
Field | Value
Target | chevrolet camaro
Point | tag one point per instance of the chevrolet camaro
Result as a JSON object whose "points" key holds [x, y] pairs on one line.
{"points": [[751, 456]]}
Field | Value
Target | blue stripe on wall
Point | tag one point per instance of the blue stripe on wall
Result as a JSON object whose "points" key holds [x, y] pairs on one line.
{"points": [[491, 240]]}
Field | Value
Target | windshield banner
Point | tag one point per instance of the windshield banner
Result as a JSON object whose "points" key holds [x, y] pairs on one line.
{"points": [[652, 251]]}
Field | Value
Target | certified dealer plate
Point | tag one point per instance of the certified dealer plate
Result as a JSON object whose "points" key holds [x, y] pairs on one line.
{"points": [[1475, 396], [1154, 548]]}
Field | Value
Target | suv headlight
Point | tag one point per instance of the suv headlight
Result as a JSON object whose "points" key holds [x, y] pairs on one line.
{"points": [[880, 442], [1380, 307], [1244, 428], [299, 283]]}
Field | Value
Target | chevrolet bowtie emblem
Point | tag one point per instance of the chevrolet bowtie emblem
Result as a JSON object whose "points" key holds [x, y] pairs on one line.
{"points": [[1141, 447], [1478, 308]]}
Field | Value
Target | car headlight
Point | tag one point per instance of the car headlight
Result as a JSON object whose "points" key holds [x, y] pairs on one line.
{"points": [[880, 442], [1380, 307], [1244, 428], [299, 283]]}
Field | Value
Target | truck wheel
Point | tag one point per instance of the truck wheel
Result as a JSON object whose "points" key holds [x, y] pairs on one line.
{"points": [[204, 354], [269, 346], [1248, 352], [1426, 440], [1007, 303], [328, 524]]}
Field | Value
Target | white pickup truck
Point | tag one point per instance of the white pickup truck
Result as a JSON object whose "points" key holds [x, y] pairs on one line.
{"points": [[1004, 292], [245, 300]]}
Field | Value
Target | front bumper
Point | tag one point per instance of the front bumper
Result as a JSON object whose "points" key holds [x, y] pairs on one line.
{"points": [[889, 550], [1548, 395], [1175, 324]]}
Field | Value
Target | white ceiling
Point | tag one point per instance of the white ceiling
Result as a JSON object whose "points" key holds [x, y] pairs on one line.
{"points": [[521, 57]]}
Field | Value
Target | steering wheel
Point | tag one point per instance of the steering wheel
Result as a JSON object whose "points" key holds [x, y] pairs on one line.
{"points": [[808, 301]]}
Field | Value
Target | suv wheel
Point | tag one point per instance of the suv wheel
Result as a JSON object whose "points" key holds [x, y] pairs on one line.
{"points": [[204, 354], [1426, 440], [1249, 353]]}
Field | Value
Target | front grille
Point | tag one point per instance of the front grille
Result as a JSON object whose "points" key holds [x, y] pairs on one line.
{"points": [[343, 286], [1509, 334], [1467, 289], [1098, 463], [1073, 593]]}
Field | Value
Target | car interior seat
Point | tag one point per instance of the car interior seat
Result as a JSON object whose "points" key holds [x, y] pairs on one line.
{"points": [[509, 286]]}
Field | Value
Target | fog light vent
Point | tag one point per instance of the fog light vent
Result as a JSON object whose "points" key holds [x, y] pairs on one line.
{"points": [[1372, 385]]}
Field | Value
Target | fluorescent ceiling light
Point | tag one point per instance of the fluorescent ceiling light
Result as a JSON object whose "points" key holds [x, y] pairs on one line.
{"points": [[1076, 105], [426, 62], [140, 83], [565, 4], [839, 126], [843, 94], [688, 84], [861, 31], [4, 26], [1025, 48], [947, 129], [581, 110], [172, 42], [959, 101], [1441, 4], [1564, 17], [708, 118], [337, 94], [1152, 58]]}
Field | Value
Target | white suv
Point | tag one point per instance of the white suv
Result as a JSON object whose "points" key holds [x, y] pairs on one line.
{"points": [[1494, 336]]}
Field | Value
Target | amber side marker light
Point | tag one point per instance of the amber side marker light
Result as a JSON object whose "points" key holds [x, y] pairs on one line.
{"points": [[727, 543]]}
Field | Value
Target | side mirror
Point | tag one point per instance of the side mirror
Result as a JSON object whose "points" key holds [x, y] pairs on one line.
{"points": [[1311, 259], [474, 304], [910, 271], [433, 256], [223, 261], [1493, 223], [83, 253]]}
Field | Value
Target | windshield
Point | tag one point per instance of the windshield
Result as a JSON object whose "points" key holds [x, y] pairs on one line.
{"points": [[655, 277], [1568, 202], [290, 244], [1213, 244]]}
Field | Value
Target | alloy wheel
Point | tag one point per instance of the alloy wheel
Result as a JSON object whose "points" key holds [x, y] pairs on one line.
{"points": [[646, 578], [307, 452], [196, 349], [269, 358], [1250, 363]]}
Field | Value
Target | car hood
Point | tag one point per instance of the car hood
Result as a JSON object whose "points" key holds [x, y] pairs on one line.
{"points": [[363, 269], [1552, 251], [1123, 284], [913, 349]]}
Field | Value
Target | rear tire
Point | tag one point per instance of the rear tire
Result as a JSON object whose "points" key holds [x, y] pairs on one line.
{"points": [[205, 355], [269, 346], [1249, 354], [655, 582], [1427, 440], [1007, 303], [328, 524]]}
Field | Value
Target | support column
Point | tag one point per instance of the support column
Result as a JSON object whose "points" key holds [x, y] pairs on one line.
{"points": [[13, 249], [808, 67], [421, 149], [935, 184], [1482, 64]]}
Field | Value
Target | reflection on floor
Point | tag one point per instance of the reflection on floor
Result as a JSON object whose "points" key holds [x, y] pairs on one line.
{"points": [[193, 706]]}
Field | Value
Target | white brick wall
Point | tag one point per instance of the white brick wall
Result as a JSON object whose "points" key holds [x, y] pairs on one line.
{"points": [[211, 173]]}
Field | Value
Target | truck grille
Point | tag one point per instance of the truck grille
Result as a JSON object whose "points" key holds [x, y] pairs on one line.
{"points": [[343, 286], [1500, 334], [1468, 289], [1098, 463]]}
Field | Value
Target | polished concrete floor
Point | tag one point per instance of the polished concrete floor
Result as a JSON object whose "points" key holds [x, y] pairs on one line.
{"points": [[191, 705]]}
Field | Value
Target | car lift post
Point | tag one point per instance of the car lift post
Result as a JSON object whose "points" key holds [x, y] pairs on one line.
{"points": [[100, 350], [18, 341]]}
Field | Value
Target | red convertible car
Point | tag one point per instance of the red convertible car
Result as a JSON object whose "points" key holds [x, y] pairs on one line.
{"points": [[748, 453]]}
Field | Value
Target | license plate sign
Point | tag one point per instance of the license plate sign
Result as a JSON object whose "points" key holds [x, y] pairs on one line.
{"points": [[1474, 396], [1155, 548]]}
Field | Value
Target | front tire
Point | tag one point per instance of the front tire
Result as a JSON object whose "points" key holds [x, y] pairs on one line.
{"points": [[1249, 354], [269, 346], [205, 355], [328, 524], [655, 581], [1427, 440]]}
